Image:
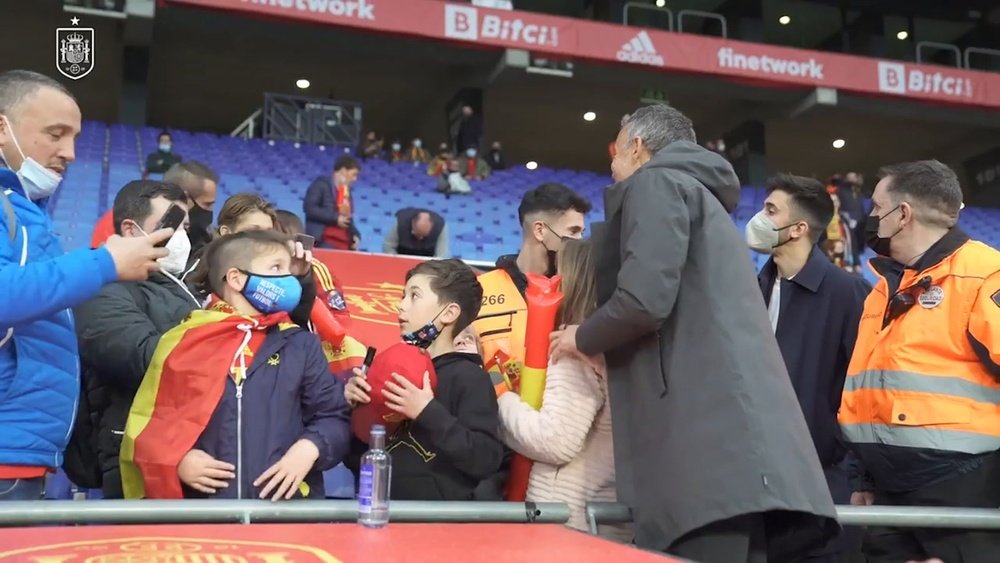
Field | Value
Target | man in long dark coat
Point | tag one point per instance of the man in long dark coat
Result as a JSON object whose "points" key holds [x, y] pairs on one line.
{"points": [[711, 448]]}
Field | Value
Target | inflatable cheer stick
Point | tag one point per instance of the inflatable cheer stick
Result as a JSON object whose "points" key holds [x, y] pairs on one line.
{"points": [[543, 297], [325, 325]]}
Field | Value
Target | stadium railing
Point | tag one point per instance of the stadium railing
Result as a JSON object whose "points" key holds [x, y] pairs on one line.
{"points": [[31, 513], [896, 516]]}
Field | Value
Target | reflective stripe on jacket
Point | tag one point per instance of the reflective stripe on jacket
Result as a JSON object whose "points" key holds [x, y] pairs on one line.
{"points": [[924, 373]]}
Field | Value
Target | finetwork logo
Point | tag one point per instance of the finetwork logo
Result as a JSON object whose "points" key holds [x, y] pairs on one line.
{"points": [[894, 78], [729, 58], [640, 50], [462, 22], [360, 9]]}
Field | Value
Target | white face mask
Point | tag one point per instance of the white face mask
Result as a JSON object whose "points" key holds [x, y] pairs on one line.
{"points": [[37, 181], [762, 234], [179, 249]]}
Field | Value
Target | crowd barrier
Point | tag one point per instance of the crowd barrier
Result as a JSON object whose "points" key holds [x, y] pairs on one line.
{"points": [[896, 516], [29, 513]]}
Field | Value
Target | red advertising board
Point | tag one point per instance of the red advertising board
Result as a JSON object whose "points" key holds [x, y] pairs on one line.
{"points": [[606, 42], [373, 286], [307, 543]]}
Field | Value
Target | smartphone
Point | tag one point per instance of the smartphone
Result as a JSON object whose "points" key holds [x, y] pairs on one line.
{"points": [[172, 219], [369, 358], [307, 241]]}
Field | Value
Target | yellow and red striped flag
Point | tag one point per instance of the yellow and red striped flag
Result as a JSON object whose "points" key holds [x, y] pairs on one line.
{"points": [[181, 389]]}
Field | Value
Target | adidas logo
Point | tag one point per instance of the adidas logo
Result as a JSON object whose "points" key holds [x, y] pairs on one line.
{"points": [[640, 50]]}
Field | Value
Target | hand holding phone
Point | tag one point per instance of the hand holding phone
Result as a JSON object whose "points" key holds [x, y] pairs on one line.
{"points": [[308, 242], [172, 219]]}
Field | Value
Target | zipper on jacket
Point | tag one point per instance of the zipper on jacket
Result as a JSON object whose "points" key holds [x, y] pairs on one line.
{"points": [[239, 439]]}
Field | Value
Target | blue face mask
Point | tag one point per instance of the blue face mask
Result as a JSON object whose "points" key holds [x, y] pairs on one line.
{"points": [[272, 294], [471, 153], [165, 147]]}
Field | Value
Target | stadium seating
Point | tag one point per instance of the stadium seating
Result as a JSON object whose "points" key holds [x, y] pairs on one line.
{"points": [[483, 224]]}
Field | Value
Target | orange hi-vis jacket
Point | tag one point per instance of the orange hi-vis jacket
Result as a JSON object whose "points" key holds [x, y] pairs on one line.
{"points": [[924, 380], [502, 324]]}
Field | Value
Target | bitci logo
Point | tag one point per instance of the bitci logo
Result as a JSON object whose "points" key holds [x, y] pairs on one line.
{"points": [[896, 78], [75, 50], [461, 22]]}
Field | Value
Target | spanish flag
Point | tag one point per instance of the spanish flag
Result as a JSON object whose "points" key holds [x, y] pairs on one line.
{"points": [[181, 390], [344, 358]]}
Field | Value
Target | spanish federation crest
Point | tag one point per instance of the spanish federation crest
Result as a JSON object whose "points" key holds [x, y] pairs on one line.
{"points": [[75, 51]]}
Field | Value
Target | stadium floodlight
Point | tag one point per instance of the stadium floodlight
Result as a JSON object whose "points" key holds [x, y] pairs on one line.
{"points": [[302, 83], [784, 20], [839, 143], [531, 165], [902, 35], [589, 116]]}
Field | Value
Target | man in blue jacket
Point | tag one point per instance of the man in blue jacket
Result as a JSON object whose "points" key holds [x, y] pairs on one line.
{"points": [[39, 365], [814, 308]]}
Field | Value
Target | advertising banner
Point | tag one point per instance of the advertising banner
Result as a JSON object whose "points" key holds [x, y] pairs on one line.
{"points": [[598, 41]]}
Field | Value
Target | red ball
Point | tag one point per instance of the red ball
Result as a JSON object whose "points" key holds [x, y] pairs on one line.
{"points": [[402, 359]]}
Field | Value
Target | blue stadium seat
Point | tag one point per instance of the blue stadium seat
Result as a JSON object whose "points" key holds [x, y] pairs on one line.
{"points": [[281, 173]]}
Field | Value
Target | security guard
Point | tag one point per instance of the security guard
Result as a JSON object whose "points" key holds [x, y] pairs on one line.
{"points": [[548, 214], [921, 404]]}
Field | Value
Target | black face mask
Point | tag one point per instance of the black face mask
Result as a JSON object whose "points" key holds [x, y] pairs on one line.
{"points": [[879, 245], [552, 255], [200, 218]]}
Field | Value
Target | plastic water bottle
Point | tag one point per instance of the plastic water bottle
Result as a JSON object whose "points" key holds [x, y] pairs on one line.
{"points": [[373, 482]]}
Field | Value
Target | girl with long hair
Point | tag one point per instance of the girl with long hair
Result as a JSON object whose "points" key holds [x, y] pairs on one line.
{"points": [[569, 439]]}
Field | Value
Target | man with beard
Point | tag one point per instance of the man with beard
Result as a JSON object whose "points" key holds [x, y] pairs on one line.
{"points": [[712, 451], [200, 183]]}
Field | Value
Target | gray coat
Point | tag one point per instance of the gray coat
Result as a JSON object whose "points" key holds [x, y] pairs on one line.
{"points": [[706, 424]]}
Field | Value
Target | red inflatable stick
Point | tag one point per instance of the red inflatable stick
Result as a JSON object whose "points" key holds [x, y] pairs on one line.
{"points": [[325, 325], [543, 298]]}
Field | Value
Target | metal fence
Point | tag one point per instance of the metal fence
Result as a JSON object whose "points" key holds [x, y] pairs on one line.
{"points": [[897, 516], [28, 513]]}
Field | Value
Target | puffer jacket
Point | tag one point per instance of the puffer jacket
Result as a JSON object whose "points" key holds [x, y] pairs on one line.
{"points": [[39, 364], [118, 332]]}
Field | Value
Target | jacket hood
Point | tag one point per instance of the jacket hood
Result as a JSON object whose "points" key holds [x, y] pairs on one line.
{"points": [[458, 358], [709, 168]]}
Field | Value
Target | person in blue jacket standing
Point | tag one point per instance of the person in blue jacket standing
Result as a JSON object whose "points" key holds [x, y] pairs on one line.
{"points": [[39, 364]]}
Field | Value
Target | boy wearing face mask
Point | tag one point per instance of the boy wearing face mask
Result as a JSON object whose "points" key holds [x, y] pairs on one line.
{"points": [[814, 307], [119, 329], [263, 417], [449, 442]]}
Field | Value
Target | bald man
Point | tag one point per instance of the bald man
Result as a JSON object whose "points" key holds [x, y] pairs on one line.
{"points": [[417, 232]]}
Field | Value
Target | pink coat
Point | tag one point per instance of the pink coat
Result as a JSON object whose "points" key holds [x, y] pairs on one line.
{"points": [[569, 439]]}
